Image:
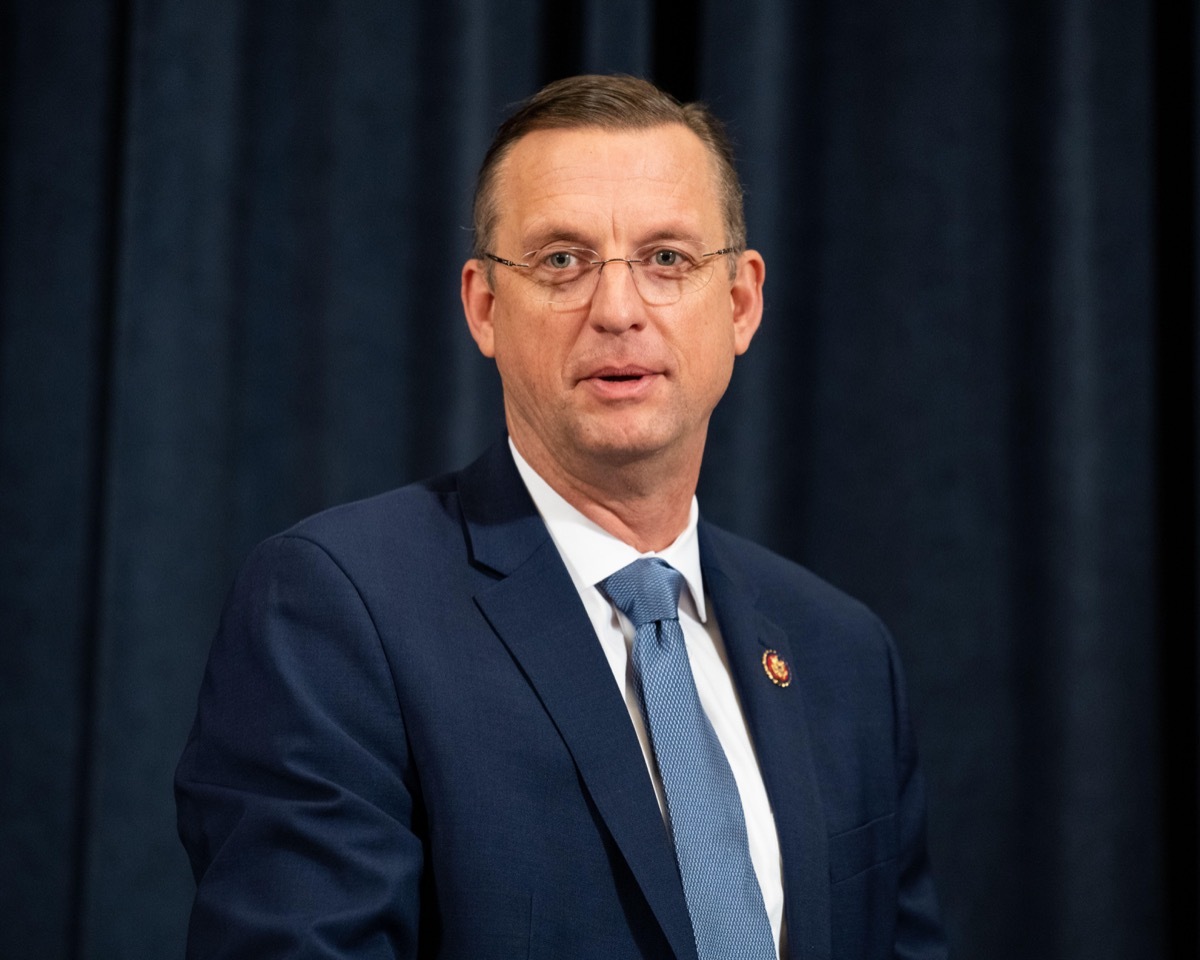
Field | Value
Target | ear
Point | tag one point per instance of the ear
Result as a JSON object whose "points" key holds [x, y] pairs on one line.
{"points": [[746, 296], [478, 301]]}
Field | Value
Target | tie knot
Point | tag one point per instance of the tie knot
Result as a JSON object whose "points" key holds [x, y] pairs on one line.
{"points": [[646, 591]]}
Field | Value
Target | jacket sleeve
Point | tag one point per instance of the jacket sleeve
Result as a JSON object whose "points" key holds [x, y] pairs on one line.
{"points": [[296, 795]]}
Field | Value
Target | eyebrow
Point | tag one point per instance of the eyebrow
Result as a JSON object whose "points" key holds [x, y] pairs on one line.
{"points": [[557, 234], [668, 234]]}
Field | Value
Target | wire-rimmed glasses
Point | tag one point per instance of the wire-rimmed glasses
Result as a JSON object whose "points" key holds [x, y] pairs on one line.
{"points": [[663, 272]]}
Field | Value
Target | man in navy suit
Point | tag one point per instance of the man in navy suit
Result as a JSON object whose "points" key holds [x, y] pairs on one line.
{"points": [[421, 732]]}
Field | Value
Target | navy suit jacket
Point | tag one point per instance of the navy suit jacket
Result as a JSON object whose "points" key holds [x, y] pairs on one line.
{"points": [[409, 744]]}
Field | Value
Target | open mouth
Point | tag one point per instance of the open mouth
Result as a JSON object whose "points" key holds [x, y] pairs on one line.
{"points": [[624, 382]]}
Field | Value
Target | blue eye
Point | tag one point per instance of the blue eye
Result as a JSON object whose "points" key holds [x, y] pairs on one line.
{"points": [[560, 265], [667, 258]]}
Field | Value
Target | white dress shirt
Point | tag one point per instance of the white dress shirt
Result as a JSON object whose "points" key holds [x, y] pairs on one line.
{"points": [[591, 554]]}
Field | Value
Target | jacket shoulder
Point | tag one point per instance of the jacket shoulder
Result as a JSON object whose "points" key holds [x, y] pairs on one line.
{"points": [[779, 582], [384, 533], [789, 592], [422, 501]]}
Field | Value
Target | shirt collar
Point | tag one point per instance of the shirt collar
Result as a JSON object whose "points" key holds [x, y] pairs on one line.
{"points": [[593, 553]]}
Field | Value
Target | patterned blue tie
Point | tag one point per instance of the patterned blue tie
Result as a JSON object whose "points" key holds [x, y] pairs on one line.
{"points": [[703, 806]]}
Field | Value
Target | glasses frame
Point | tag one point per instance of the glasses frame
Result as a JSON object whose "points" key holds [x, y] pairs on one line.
{"points": [[599, 266]]}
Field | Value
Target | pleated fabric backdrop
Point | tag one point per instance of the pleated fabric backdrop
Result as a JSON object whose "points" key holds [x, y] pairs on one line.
{"points": [[231, 236]]}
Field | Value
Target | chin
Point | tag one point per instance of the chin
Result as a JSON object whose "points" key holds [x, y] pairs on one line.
{"points": [[621, 446]]}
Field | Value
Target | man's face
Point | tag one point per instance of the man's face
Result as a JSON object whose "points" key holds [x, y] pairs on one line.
{"points": [[612, 379]]}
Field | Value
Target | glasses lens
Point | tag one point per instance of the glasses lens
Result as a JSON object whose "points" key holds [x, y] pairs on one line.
{"points": [[666, 273], [563, 274]]}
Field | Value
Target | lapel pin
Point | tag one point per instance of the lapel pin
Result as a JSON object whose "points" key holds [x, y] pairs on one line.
{"points": [[777, 668]]}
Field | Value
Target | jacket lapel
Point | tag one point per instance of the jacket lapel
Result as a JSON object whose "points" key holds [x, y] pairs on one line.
{"points": [[780, 734], [534, 609]]}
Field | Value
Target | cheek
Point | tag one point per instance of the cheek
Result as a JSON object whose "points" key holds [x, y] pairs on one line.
{"points": [[528, 355], [711, 374], [710, 351]]}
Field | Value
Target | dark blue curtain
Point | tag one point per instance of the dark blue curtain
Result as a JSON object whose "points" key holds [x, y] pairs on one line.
{"points": [[230, 236]]}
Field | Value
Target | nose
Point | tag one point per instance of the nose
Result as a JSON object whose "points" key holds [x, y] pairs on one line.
{"points": [[616, 304]]}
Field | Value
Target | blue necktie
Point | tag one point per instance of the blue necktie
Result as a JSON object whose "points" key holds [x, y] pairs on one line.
{"points": [[703, 806]]}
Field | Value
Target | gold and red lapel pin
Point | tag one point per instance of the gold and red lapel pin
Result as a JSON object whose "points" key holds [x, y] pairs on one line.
{"points": [[777, 668]]}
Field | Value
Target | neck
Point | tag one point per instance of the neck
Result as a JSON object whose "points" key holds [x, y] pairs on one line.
{"points": [[644, 501]]}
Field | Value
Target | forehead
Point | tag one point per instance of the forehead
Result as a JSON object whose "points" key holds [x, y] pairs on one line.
{"points": [[600, 184]]}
